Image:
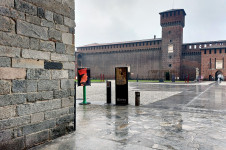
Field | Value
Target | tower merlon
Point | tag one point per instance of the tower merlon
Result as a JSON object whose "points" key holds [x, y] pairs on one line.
{"points": [[172, 17]]}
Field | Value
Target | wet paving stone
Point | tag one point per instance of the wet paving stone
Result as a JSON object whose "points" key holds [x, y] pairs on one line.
{"points": [[171, 117]]}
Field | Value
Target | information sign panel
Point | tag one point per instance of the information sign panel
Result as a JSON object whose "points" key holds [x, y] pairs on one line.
{"points": [[121, 85], [84, 77]]}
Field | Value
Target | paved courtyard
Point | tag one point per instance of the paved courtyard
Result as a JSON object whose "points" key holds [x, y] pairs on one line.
{"points": [[174, 116]]}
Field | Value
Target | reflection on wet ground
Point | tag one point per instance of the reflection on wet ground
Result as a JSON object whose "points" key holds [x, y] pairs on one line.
{"points": [[172, 116]]}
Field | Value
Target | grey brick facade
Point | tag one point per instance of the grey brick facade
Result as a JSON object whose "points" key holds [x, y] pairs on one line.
{"points": [[36, 71]]}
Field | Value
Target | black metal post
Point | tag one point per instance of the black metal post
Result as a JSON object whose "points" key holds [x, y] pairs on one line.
{"points": [[75, 106], [137, 77], [108, 92], [137, 98]]}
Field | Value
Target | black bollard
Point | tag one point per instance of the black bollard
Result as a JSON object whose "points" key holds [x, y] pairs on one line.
{"points": [[108, 92], [137, 98]]}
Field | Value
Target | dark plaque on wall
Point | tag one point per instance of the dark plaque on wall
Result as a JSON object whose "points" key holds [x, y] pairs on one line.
{"points": [[121, 85], [84, 77]]}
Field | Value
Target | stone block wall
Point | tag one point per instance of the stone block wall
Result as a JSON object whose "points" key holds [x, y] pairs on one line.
{"points": [[36, 71]]}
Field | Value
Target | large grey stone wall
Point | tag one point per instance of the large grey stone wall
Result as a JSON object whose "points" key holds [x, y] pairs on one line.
{"points": [[36, 71], [145, 62]]}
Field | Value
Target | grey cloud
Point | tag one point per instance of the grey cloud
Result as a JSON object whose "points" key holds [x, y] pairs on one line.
{"points": [[101, 21]]}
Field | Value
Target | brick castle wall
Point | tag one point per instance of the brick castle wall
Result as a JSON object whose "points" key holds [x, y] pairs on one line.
{"points": [[36, 71], [144, 62], [192, 56], [208, 62]]}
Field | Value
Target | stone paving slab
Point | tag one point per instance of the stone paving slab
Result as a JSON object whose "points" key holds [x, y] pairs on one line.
{"points": [[170, 120]]}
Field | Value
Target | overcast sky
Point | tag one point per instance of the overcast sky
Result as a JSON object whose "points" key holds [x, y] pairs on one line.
{"points": [[105, 21]]}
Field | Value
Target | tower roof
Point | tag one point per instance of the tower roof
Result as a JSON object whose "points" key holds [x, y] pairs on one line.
{"points": [[172, 10]]}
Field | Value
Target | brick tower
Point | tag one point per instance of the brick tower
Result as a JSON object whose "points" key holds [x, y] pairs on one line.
{"points": [[172, 23]]}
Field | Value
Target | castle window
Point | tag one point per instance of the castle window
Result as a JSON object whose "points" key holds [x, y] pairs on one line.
{"points": [[190, 46], [219, 63], [170, 41], [170, 65], [163, 15], [170, 48], [194, 46], [169, 32], [210, 51], [174, 13], [220, 51], [178, 12], [170, 57], [166, 14], [170, 13], [215, 51], [222, 62], [139, 44], [150, 43], [154, 42], [210, 64], [204, 51], [205, 45], [210, 45], [215, 63]]}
